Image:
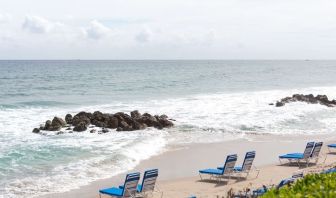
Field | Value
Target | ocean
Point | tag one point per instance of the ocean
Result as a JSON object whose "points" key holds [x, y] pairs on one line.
{"points": [[211, 101]]}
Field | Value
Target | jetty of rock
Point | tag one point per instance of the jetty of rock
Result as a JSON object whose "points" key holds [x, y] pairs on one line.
{"points": [[310, 98], [120, 121]]}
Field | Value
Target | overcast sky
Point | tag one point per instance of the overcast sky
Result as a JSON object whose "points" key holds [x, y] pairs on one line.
{"points": [[168, 29]]}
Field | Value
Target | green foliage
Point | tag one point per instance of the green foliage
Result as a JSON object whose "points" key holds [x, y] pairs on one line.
{"points": [[311, 186]]}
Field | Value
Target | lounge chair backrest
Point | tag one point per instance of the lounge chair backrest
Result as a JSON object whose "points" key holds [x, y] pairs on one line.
{"points": [[248, 161], [149, 180], [229, 164], [297, 175], [307, 152], [131, 183], [317, 149]]}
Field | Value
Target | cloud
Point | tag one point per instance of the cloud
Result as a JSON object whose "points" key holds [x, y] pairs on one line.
{"points": [[4, 18], [144, 36], [96, 30], [38, 25]]}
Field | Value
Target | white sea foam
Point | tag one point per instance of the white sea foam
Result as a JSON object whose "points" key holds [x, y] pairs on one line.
{"points": [[56, 163]]}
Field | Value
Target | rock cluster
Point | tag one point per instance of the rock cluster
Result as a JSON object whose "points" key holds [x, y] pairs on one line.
{"points": [[310, 98], [119, 121]]}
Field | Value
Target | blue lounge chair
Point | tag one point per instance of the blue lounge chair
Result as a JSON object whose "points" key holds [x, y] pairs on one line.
{"points": [[264, 189], [331, 170], [226, 170], [315, 155], [299, 156], [247, 164], [148, 183], [331, 146], [129, 188]]}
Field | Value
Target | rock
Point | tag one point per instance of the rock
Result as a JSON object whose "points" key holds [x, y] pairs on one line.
{"points": [[135, 114], [80, 127], [36, 130], [321, 99], [166, 123], [99, 123], [47, 125], [163, 116], [68, 118], [271, 104], [148, 119], [279, 104], [123, 124], [82, 117], [59, 132], [105, 130], [142, 126], [99, 119], [57, 123], [112, 123], [120, 121], [93, 131]]}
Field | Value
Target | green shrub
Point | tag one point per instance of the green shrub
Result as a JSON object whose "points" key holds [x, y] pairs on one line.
{"points": [[311, 186]]}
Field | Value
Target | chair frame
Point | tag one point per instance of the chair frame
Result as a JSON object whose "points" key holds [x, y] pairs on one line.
{"points": [[306, 156], [130, 177], [227, 171]]}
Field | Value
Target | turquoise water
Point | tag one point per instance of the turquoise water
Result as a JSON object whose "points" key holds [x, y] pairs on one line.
{"points": [[211, 101]]}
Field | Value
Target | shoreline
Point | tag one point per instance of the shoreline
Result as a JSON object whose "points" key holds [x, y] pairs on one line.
{"points": [[180, 164]]}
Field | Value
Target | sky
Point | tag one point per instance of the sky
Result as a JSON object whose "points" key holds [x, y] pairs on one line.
{"points": [[168, 29]]}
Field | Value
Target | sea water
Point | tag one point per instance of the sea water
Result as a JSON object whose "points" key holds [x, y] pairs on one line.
{"points": [[211, 100]]}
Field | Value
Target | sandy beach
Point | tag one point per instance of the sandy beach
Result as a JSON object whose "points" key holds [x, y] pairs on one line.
{"points": [[178, 167]]}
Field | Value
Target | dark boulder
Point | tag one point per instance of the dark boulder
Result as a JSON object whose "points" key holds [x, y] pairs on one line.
{"points": [[47, 125], [123, 124], [120, 121], [104, 130], [57, 123], [112, 123], [68, 118], [80, 127], [319, 99], [279, 104], [82, 117], [135, 114], [166, 123], [148, 119], [36, 130]]}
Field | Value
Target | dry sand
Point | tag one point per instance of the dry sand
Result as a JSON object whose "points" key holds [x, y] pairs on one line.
{"points": [[178, 167]]}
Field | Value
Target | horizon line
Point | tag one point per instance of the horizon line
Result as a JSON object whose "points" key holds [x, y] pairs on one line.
{"points": [[168, 59]]}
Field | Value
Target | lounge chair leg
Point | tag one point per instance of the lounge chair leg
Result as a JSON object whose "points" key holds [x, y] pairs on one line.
{"points": [[201, 176], [99, 195], [258, 173]]}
